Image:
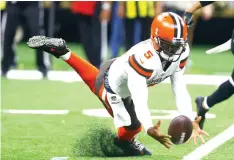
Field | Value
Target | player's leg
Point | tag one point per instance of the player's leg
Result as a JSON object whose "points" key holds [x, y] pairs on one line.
{"points": [[121, 109], [58, 48], [116, 38], [34, 18], [129, 132], [225, 91], [232, 42], [86, 70], [10, 22], [124, 114]]}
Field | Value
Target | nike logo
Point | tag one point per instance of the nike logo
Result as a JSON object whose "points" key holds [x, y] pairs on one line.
{"points": [[142, 62]]}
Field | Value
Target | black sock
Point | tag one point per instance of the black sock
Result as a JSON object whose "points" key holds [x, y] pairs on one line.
{"points": [[224, 91]]}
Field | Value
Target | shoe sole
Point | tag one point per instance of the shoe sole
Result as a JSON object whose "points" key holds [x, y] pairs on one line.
{"points": [[36, 41], [40, 41]]}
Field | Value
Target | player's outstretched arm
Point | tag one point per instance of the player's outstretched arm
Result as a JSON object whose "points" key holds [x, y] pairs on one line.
{"points": [[184, 106], [139, 93], [188, 15]]}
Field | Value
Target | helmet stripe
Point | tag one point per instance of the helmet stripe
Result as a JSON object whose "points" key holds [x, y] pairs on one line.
{"points": [[181, 26], [175, 26], [178, 24]]}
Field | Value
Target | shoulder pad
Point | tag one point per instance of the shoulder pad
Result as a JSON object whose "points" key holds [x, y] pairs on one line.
{"points": [[143, 63]]}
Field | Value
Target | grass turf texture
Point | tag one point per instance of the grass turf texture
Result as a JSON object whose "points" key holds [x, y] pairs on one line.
{"points": [[27, 137], [41, 137]]}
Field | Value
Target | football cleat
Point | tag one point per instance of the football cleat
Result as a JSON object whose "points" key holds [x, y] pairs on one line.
{"points": [[132, 148], [201, 111], [54, 46]]}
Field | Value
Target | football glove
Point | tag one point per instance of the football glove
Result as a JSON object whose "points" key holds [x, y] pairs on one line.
{"points": [[188, 18]]}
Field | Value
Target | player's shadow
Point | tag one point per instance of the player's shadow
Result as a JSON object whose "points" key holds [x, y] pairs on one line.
{"points": [[98, 141]]}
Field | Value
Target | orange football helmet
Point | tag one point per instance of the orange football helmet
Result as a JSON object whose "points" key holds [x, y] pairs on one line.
{"points": [[169, 35]]}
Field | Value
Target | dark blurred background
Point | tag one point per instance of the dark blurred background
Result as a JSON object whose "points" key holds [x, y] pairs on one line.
{"points": [[124, 23], [220, 24]]}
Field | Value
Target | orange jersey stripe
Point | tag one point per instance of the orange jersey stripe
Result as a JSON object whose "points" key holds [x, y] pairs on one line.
{"points": [[138, 68], [182, 63], [100, 91]]}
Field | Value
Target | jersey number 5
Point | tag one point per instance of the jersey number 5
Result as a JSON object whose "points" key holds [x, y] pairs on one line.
{"points": [[148, 54]]}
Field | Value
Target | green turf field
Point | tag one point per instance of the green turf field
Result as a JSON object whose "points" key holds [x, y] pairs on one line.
{"points": [[41, 137]]}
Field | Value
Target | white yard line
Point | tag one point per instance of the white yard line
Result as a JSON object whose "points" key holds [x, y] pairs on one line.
{"points": [[59, 158], [50, 112], [212, 144], [72, 76]]}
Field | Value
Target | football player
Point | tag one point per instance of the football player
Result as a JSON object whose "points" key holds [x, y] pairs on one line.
{"points": [[122, 83], [226, 89]]}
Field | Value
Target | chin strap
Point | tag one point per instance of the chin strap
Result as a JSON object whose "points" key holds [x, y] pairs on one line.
{"points": [[165, 57]]}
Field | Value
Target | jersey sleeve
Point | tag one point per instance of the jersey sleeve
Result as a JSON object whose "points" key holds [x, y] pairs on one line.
{"points": [[182, 97], [178, 84], [142, 63], [139, 94]]}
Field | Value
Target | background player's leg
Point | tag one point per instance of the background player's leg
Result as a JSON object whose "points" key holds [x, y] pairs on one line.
{"points": [[12, 19], [86, 70], [225, 91], [35, 18]]}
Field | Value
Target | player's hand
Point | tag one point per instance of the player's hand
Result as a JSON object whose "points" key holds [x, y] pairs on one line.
{"points": [[188, 18], [197, 132], [155, 133]]}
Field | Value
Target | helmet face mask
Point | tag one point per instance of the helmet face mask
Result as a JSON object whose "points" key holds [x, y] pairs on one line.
{"points": [[170, 51]]}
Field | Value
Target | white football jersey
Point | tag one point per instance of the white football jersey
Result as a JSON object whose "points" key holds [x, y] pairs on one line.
{"points": [[141, 67]]}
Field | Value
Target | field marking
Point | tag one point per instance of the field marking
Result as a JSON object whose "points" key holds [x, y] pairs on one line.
{"points": [[167, 114], [212, 144], [72, 76], [59, 158], [50, 112]]}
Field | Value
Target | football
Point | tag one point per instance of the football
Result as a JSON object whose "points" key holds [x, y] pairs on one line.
{"points": [[180, 129]]}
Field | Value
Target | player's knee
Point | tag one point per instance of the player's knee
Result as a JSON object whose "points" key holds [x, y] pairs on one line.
{"points": [[135, 125]]}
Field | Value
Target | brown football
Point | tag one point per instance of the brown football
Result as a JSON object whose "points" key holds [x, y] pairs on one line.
{"points": [[180, 129]]}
